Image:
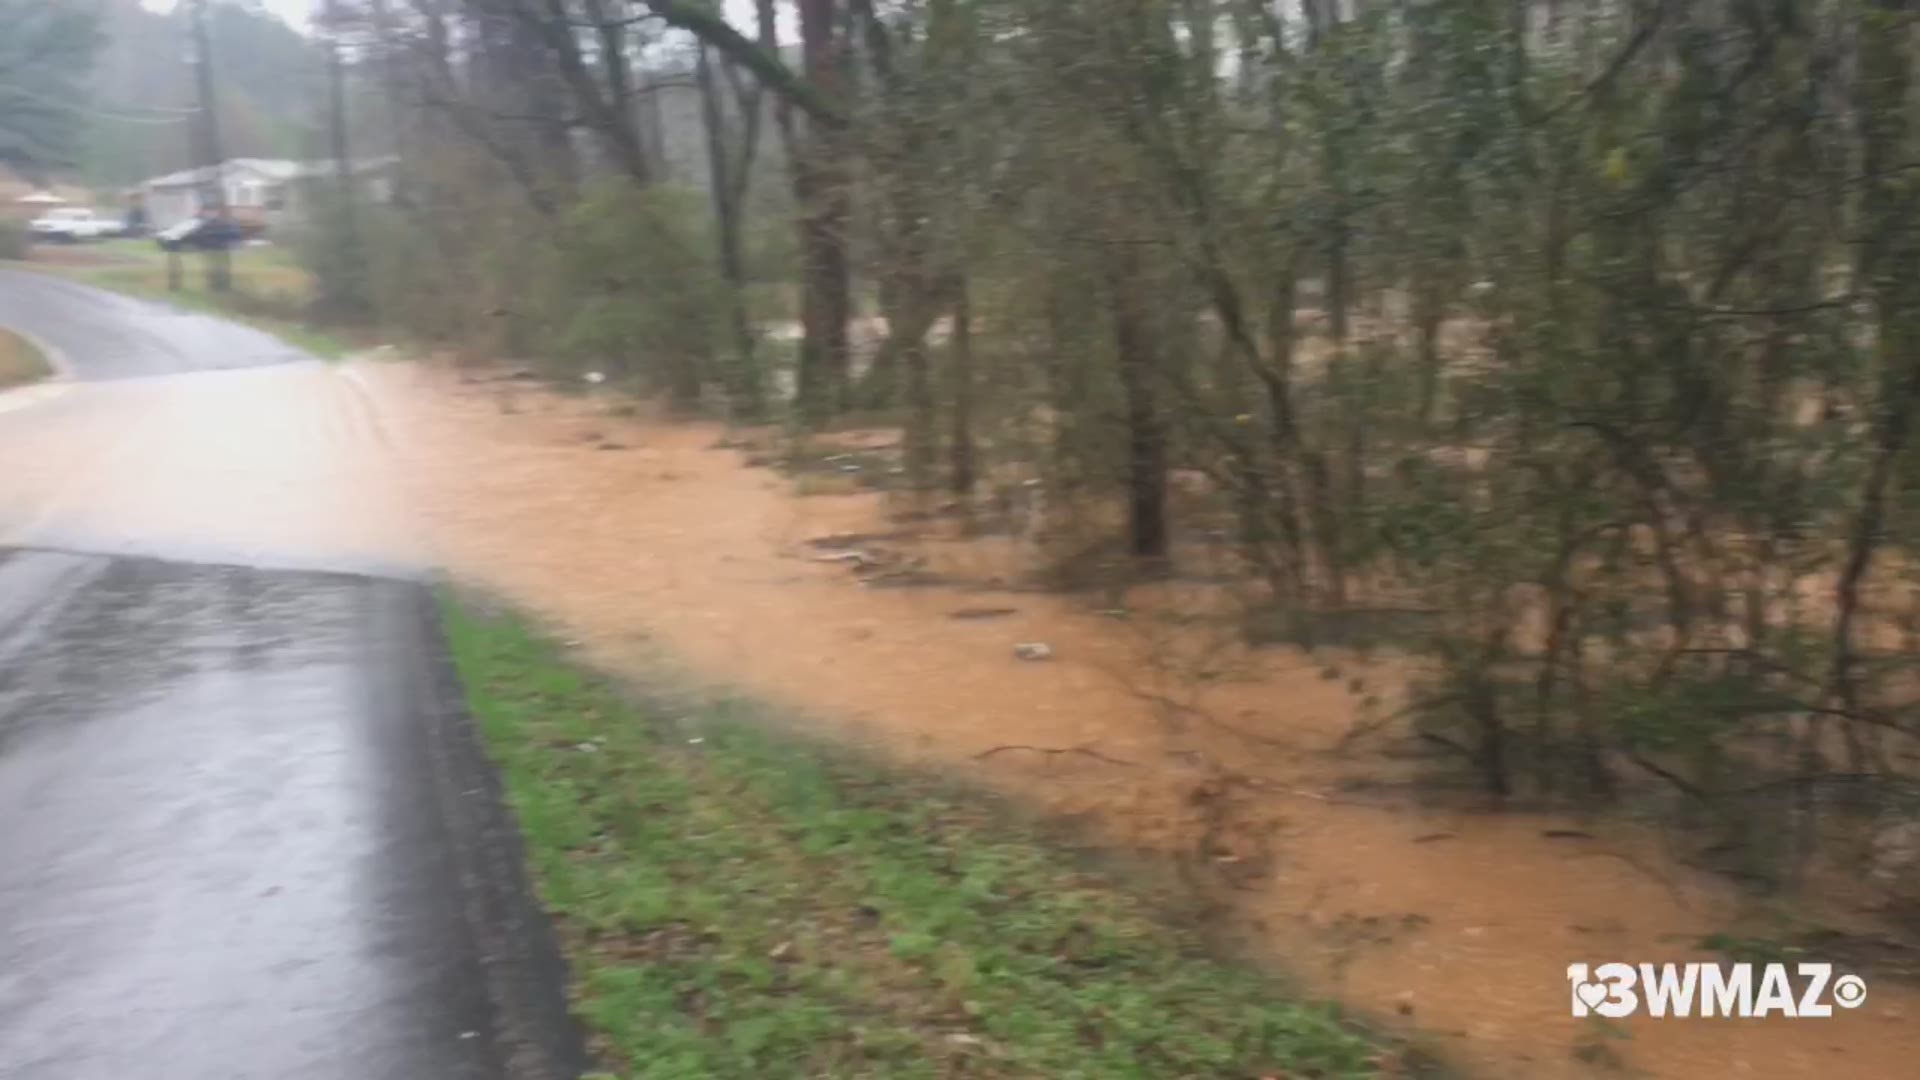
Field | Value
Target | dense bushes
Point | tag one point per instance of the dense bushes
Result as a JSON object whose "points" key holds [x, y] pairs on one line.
{"points": [[621, 282], [630, 288]]}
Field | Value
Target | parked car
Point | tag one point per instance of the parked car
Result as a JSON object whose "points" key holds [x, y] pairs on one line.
{"points": [[71, 225], [200, 234]]}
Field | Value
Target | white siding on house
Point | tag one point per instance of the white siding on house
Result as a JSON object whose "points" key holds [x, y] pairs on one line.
{"points": [[260, 189]]}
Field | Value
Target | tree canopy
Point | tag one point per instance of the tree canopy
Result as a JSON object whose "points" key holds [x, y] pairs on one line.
{"points": [[46, 52]]}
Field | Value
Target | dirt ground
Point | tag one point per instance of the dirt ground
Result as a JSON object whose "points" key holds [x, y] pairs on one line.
{"points": [[644, 538]]}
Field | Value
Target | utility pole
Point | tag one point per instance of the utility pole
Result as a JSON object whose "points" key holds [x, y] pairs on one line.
{"points": [[213, 189], [352, 293]]}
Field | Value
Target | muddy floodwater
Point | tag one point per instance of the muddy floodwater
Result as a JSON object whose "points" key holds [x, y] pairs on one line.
{"points": [[280, 466], [645, 537]]}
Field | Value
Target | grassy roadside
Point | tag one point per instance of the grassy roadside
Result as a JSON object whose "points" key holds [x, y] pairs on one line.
{"points": [[20, 362], [269, 289], [737, 904]]}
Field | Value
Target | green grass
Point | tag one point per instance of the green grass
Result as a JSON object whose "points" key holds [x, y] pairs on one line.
{"points": [[270, 291], [736, 903], [20, 361]]}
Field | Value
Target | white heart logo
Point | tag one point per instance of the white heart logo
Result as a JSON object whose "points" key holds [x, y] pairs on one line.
{"points": [[1591, 994]]}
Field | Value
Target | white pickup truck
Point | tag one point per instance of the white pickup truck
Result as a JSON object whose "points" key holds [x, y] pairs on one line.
{"points": [[72, 224]]}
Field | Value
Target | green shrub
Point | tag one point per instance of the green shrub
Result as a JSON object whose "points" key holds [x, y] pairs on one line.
{"points": [[634, 289], [337, 257], [624, 282]]}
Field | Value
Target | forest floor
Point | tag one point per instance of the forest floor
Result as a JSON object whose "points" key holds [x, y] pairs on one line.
{"points": [[1231, 767]]}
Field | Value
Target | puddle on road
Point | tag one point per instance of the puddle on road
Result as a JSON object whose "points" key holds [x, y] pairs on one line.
{"points": [[635, 535]]}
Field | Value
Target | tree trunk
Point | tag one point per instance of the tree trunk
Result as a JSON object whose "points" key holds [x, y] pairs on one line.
{"points": [[214, 192], [1483, 706], [961, 449], [920, 424], [350, 288], [825, 301], [653, 128], [610, 117], [614, 68], [1134, 348], [513, 71], [820, 188], [879, 385], [1431, 315], [742, 371]]}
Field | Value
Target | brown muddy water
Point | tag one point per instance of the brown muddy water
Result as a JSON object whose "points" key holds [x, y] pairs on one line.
{"points": [[640, 536], [278, 466]]}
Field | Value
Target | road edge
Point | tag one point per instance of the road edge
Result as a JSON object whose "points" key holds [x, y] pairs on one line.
{"points": [[525, 973], [59, 367], [54, 355]]}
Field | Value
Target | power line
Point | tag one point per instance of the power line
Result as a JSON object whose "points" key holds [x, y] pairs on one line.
{"points": [[174, 116]]}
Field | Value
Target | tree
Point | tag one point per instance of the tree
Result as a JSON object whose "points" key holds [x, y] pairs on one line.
{"points": [[821, 187], [141, 95], [1573, 342], [730, 160], [45, 55]]}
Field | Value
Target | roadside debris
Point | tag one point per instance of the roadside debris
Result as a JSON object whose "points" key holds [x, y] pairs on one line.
{"points": [[856, 559], [982, 613]]}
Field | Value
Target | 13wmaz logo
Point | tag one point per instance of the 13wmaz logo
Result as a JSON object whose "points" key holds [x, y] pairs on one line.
{"points": [[1616, 990]]}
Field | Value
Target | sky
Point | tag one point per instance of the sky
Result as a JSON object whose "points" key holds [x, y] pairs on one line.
{"points": [[295, 12]]}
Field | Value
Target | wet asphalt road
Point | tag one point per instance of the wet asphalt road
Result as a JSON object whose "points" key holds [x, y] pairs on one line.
{"points": [[181, 436], [246, 829], [108, 336]]}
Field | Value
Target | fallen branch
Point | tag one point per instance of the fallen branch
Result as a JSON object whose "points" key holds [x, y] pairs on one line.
{"points": [[1673, 889], [1273, 787], [1360, 729], [1053, 752], [1181, 708]]}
